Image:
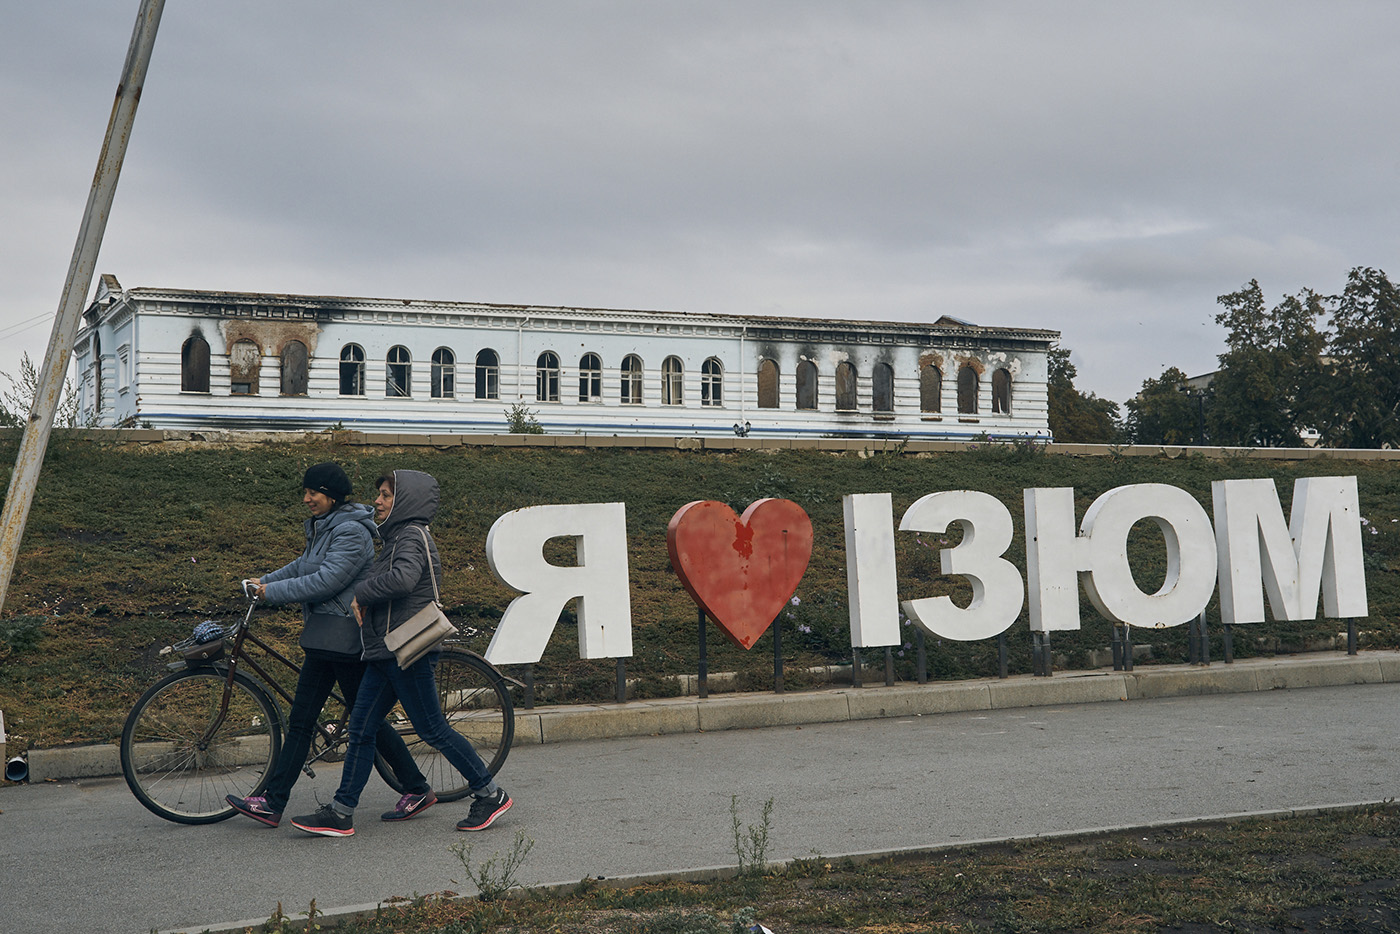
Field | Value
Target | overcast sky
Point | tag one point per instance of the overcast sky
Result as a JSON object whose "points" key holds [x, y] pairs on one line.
{"points": [[1103, 169]]}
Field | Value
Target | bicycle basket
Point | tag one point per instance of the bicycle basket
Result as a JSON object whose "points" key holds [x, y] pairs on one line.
{"points": [[206, 644]]}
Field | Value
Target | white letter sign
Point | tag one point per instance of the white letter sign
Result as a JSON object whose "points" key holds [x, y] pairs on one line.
{"points": [[997, 589], [1054, 557], [1320, 550], [1190, 541], [515, 551], [870, 572]]}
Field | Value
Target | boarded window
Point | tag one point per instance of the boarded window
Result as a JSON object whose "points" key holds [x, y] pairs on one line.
{"points": [[967, 391], [244, 363], [488, 375], [672, 381], [631, 380], [845, 387], [930, 389], [398, 372], [590, 378], [194, 365], [444, 374], [294, 368], [547, 377], [1001, 392], [712, 382], [882, 388], [352, 370], [768, 384], [806, 385]]}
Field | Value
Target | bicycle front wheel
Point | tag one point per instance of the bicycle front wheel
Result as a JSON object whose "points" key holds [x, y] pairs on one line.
{"points": [[476, 701], [179, 764]]}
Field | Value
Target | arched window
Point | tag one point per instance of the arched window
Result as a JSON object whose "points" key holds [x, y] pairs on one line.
{"points": [[845, 386], [547, 377], [882, 388], [631, 380], [768, 384], [244, 364], [398, 372], [930, 389], [97, 369], [444, 374], [294, 368], [352, 370], [672, 381], [194, 364], [806, 384], [967, 391], [590, 378], [1001, 392], [712, 382], [488, 375]]}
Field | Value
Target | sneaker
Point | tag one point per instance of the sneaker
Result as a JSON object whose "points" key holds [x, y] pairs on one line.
{"points": [[327, 822], [410, 806], [485, 811], [256, 808]]}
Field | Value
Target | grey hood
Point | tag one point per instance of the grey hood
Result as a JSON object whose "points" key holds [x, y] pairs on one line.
{"points": [[416, 498]]}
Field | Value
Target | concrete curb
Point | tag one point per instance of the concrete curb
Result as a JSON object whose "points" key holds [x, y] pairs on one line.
{"points": [[717, 873], [755, 710]]}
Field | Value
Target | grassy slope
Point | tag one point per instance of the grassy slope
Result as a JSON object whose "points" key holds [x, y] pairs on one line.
{"points": [[127, 547]]}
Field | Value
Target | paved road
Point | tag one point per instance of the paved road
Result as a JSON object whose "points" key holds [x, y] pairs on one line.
{"points": [[84, 856]]}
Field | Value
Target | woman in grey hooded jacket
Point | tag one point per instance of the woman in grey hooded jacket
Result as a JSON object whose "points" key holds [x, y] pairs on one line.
{"points": [[399, 584], [339, 548]]}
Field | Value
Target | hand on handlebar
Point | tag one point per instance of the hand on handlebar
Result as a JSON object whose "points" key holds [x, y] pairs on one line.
{"points": [[254, 588]]}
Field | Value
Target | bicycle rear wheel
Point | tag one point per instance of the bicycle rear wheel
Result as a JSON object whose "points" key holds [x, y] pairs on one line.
{"points": [[180, 770], [476, 701]]}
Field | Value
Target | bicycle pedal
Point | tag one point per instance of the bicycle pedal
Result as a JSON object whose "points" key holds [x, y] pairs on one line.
{"points": [[310, 772]]}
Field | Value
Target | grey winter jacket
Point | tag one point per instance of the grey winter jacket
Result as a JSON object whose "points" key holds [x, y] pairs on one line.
{"points": [[339, 549], [398, 584]]}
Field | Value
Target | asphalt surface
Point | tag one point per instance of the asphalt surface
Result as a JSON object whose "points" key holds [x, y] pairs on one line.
{"points": [[84, 856]]}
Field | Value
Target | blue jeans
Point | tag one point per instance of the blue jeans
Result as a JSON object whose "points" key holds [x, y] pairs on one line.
{"points": [[319, 674], [416, 689]]}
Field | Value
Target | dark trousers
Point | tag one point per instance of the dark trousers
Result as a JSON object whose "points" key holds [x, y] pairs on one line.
{"points": [[319, 675], [416, 689]]}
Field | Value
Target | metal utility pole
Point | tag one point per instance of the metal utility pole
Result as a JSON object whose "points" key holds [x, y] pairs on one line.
{"points": [[75, 291]]}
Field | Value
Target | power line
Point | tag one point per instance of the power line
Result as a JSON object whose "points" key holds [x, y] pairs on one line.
{"points": [[25, 325]]}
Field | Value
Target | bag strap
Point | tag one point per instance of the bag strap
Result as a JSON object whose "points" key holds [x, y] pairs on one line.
{"points": [[428, 552]]}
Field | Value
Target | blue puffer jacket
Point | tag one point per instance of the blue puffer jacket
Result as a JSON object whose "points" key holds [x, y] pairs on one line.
{"points": [[399, 583], [339, 549]]}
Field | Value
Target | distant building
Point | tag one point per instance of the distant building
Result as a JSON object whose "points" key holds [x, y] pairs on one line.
{"points": [[169, 358]]}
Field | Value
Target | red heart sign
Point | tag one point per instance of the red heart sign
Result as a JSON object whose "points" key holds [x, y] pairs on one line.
{"points": [[740, 569]]}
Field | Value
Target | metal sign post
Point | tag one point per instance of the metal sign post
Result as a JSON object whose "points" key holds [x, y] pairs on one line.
{"points": [[75, 290]]}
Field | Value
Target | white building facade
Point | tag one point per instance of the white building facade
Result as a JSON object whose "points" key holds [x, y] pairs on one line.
{"points": [[179, 359]]}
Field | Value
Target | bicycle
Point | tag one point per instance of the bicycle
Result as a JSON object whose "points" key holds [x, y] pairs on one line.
{"points": [[209, 729]]}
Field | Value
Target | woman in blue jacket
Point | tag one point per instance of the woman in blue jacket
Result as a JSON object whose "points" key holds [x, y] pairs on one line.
{"points": [[339, 550], [402, 581]]}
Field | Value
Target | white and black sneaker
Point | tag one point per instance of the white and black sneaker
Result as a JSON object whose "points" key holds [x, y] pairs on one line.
{"points": [[326, 822], [485, 811]]}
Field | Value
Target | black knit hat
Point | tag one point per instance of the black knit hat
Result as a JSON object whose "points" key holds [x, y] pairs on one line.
{"points": [[329, 479]]}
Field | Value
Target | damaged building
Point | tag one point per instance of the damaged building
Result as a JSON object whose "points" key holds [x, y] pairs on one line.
{"points": [[180, 359]]}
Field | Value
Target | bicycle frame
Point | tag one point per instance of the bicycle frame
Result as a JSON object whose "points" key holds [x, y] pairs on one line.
{"points": [[244, 633]]}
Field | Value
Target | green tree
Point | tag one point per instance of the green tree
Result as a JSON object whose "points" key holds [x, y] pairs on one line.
{"points": [[1076, 418], [1162, 413], [17, 400], [1265, 393], [1358, 403]]}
